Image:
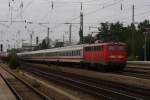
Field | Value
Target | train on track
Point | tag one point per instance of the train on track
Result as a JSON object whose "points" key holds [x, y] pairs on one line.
{"points": [[109, 55]]}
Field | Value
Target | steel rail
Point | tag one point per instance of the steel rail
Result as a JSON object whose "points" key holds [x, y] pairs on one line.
{"points": [[16, 94]]}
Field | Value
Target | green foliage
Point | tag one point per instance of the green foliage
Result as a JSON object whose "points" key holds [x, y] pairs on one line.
{"points": [[13, 61], [43, 45], [36, 84], [59, 44], [88, 39]]}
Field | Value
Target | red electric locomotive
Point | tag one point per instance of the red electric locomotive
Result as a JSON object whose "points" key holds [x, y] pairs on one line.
{"points": [[110, 55]]}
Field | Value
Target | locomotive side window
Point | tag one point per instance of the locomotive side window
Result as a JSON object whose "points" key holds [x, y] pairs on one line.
{"points": [[111, 48], [121, 48], [88, 49], [97, 48]]}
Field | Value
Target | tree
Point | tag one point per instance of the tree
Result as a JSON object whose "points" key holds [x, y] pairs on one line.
{"points": [[88, 39], [59, 44], [43, 45]]}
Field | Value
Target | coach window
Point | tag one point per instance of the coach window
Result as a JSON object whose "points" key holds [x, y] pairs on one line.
{"points": [[73, 52], [67, 53], [77, 52], [70, 53], [64, 53], [61, 53]]}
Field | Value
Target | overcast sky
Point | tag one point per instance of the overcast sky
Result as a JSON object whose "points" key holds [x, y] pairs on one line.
{"points": [[41, 11]]}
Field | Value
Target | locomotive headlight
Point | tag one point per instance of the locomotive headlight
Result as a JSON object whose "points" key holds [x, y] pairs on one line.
{"points": [[120, 56], [111, 56]]}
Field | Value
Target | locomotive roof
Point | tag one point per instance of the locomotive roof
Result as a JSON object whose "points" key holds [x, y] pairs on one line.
{"points": [[74, 47]]}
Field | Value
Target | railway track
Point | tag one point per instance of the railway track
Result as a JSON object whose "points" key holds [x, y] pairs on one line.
{"points": [[22, 90], [135, 74], [138, 72], [101, 89]]}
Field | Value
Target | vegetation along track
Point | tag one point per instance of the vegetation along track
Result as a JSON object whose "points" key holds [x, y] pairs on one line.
{"points": [[22, 90], [99, 88]]}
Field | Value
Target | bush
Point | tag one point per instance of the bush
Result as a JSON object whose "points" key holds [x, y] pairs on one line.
{"points": [[13, 62], [36, 84]]}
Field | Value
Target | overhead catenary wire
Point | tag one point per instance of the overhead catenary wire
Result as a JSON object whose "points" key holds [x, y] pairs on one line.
{"points": [[72, 2], [91, 12]]}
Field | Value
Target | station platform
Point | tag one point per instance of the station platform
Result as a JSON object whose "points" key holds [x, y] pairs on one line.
{"points": [[5, 92]]}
